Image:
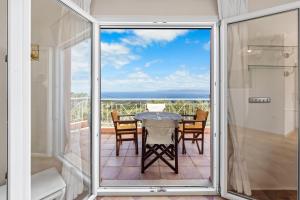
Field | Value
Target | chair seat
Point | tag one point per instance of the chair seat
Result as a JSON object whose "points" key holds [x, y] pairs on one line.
{"points": [[125, 127], [190, 127]]}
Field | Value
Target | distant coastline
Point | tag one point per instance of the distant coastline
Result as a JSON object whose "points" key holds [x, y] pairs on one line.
{"points": [[156, 95]]}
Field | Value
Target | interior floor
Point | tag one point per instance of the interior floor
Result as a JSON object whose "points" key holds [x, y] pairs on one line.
{"points": [[194, 169], [274, 194]]}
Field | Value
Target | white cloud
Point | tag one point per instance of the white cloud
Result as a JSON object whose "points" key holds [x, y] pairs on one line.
{"points": [[139, 76], [152, 62], [206, 46], [116, 55], [144, 37], [181, 79], [113, 30]]}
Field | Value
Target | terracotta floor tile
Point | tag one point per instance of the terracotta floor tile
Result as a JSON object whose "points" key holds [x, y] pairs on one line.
{"points": [[115, 161], [106, 152], [110, 141], [104, 160], [204, 171], [132, 162], [132, 146], [110, 173], [130, 173], [125, 145], [122, 152], [168, 173], [108, 146], [185, 161], [189, 172], [200, 160], [152, 173], [131, 152]]}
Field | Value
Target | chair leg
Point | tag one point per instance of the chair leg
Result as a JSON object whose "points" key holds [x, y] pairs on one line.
{"points": [[176, 156], [136, 143], [183, 144], [117, 146], [202, 145], [199, 150], [143, 153]]}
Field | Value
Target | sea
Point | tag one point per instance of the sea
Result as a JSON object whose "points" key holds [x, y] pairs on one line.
{"points": [[160, 95]]}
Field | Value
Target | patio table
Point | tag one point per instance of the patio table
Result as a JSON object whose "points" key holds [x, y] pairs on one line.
{"points": [[157, 116]]}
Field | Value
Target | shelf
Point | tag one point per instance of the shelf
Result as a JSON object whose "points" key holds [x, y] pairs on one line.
{"points": [[270, 66], [271, 46]]}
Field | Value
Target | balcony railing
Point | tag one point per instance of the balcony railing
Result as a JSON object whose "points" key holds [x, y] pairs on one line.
{"points": [[80, 108]]}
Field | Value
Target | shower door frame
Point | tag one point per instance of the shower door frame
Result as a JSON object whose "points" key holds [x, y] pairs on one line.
{"points": [[223, 101]]}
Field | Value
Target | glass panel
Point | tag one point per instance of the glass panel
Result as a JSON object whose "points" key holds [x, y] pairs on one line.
{"points": [[155, 70], [3, 99], [263, 106], [61, 106]]}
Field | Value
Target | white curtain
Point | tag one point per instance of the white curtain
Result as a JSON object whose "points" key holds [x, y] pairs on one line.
{"points": [[238, 93], [68, 31]]}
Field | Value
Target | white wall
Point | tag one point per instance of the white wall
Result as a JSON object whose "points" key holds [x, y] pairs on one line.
{"points": [[274, 30], [44, 14], [262, 4], [139, 10]]}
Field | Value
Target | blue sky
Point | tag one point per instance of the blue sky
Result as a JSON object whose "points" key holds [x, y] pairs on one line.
{"points": [[134, 60]]}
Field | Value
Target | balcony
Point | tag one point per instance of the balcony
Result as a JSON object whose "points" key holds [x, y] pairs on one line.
{"points": [[194, 169]]}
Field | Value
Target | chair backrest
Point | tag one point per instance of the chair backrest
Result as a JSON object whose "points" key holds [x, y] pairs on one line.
{"points": [[114, 116], [201, 115], [160, 131], [151, 107]]}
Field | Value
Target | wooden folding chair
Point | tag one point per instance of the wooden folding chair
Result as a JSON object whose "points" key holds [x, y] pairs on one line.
{"points": [[160, 140]]}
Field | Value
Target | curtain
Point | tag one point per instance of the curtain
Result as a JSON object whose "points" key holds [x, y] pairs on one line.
{"points": [[238, 94], [69, 30]]}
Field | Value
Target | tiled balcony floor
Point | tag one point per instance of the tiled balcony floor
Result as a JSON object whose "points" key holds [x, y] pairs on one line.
{"points": [[192, 166]]}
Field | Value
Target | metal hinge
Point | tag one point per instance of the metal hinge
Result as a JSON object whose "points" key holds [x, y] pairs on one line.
{"points": [[6, 58]]}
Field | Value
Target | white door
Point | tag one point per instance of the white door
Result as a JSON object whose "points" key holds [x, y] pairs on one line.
{"points": [[260, 117]]}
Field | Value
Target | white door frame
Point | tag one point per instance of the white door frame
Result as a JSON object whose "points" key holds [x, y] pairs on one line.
{"points": [[223, 83], [19, 99], [158, 190]]}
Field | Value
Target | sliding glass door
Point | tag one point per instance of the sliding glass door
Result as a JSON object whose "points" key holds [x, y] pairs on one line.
{"points": [[261, 106], [3, 99]]}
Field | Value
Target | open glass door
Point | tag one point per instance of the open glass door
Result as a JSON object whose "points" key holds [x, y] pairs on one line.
{"points": [[63, 99], [260, 89]]}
